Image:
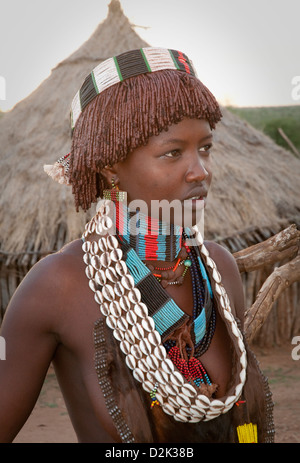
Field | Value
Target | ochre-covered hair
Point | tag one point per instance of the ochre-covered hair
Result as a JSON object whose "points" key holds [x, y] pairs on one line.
{"points": [[123, 102], [124, 117]]}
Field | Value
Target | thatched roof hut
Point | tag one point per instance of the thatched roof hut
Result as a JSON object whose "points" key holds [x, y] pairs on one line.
{"points": [[255, 190]]}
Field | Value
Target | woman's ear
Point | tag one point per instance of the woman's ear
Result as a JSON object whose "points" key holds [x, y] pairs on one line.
{"points": [[110, 175]]}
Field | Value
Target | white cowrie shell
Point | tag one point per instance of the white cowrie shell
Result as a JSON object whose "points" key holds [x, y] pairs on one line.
{"points": [[102, 244], [86, 246], [143, 365], [105, 259], [98, 228], [95, 262], [210, 262], [148, 386], [138, 375], [121, 268], [104, 208], [106, 223], [243, 360], [112, 242], [189, 390], [173, 401], [161, 376], [111, 322], [243, 375], [151, 377], [228, 316], [119, 290], [122, 324], [183, 401], [130, 361], [145, 346], [204, 251], [218, 289], [141, 310], [136, 351], [216, 275], [124, 303], [194, 419], [87, 259], [91, 226], [196, 412], [160, 352], [108, 292], [172, 389], [98, 297], [199, 238], [230, 400], [131, 317], [92, 285], [238, 391], [169, 409], [177, 378], [134, 296], [127, 281], [152, 362], [180, 417], [138, 331], [125, 347], [104, 308], [148, 324], [90, 272], [111, 275], [129, 337], [241, 345], [115, 309], [235, 329], [94, 249], [217, 405], [168, 366], [116, 255], [118, 334], [154, 338], [202, 402], [100, 278]]}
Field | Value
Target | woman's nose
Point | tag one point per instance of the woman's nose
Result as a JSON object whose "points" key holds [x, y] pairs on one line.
{"points": [[197, 170]]}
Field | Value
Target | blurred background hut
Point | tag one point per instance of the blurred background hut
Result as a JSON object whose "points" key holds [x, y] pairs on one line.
{"points": [[255, 191]]}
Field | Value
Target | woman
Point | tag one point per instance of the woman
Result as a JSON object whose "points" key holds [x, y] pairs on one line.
{"points": [[163, 360]]}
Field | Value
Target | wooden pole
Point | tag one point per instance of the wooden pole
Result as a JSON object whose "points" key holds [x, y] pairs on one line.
{"points": [[281, 278], [288, 141]]}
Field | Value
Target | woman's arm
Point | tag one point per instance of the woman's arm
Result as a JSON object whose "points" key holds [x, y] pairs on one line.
{"points": [[231, 278], [29, 332]]}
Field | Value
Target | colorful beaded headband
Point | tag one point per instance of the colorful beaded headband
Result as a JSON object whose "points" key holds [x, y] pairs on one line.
{"points": [[129, 64]]}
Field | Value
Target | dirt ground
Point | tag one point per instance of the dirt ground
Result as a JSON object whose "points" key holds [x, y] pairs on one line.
{"points": [[50, 423]]}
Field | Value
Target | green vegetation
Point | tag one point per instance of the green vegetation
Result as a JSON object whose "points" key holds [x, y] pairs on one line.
{"points": [[269, 119]]}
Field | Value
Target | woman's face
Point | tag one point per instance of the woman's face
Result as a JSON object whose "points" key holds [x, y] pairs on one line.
{"points": [[175, 165]]}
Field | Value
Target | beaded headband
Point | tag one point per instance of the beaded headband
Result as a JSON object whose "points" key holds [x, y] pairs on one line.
{"points": [[121, 67], [110, 72]]}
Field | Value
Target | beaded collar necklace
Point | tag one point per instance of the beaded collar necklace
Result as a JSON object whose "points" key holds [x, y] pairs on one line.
{"points": [[120, 300], [151, 238]]}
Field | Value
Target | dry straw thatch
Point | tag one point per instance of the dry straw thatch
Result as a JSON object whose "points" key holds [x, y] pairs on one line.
{"points": [[255, 190]]}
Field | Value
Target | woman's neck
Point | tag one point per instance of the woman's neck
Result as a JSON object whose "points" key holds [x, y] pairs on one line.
{"points": [[152, 239]]}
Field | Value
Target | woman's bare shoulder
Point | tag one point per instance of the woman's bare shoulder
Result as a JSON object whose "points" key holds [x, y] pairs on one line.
{"points": [[42, 291], [230, 274]]}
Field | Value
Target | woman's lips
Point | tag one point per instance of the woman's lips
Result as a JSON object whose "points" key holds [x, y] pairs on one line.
{"points": [[195, 202]]}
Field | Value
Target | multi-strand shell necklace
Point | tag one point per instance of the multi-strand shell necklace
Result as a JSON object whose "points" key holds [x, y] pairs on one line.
{"points": [[120, 303]]}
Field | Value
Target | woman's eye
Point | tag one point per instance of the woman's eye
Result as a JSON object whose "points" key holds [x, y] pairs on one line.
{"points": [[206, 148], [172, 154]]}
